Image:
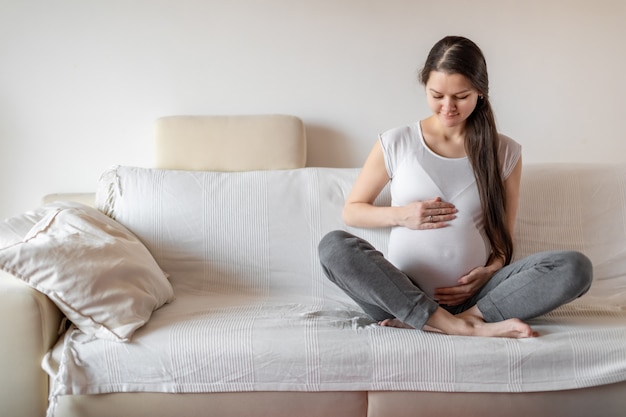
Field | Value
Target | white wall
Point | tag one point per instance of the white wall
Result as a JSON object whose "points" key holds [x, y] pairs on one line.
{"points": [[82, 81]]}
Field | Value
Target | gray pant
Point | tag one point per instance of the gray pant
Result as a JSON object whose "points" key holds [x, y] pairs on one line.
{"points": [[524, 289]]}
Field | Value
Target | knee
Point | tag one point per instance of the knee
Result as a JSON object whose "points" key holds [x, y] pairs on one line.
{"points": [[579, 270], [332, 244]]}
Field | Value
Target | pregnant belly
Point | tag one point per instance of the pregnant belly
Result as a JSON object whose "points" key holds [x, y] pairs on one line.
{"points": [[437, 258]]}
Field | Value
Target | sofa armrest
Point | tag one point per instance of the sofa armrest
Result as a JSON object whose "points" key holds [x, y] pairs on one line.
{"points": [[29, 324], [84, 198]]}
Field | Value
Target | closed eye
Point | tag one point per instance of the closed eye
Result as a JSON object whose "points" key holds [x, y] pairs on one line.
{"points": [[456, 97]]}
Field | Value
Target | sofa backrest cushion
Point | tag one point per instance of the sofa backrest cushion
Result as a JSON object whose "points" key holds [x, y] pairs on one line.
{"points": [[230, 143], [247, 232], [251, 231], [580, 207]]}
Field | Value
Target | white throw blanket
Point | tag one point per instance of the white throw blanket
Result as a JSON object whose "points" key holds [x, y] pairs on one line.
{"points": [[253, 311]]}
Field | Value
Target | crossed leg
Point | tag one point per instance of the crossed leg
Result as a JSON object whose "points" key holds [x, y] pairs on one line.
{"points": [[541, 283]]}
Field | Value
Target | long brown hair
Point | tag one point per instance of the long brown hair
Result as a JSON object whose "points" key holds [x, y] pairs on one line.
{"points": [[459, 55]]}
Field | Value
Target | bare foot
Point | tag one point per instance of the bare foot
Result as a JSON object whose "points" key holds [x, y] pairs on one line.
{"points": [[402, 325], [468, 323], [428, 328], [395, 323], [471, 323], [512, 328]]}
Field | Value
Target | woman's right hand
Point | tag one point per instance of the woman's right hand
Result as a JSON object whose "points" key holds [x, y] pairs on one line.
{"points": [[360, 211], [430, 214]]}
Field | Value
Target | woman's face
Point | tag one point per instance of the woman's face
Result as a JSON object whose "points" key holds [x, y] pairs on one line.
{"points": [[451, 97]]}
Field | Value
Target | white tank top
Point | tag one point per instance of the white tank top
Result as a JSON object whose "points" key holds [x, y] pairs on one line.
{"points": [[438, 257]]}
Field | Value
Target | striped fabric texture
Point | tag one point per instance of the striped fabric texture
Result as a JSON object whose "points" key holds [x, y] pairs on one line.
{"points": [[254, 312]]}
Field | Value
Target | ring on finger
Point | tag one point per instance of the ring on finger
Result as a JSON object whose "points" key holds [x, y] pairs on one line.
{"points": [[430, 219]]}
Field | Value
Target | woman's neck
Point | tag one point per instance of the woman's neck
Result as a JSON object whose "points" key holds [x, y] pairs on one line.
{"points": [[447, 141]]}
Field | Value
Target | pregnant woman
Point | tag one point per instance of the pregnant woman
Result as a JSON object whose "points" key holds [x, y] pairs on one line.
{"points": [[455, 188]]}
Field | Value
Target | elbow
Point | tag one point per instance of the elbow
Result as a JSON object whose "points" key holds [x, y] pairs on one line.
{"points": [[347, 217]]}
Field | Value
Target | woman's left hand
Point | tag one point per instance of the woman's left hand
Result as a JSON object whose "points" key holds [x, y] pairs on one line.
{"points": [[468, 286]]}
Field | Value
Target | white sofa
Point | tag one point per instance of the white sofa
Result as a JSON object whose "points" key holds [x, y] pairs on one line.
{"points": [[255, 328]]}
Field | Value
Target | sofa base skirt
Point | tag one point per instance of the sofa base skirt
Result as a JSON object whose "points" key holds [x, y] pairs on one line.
{"points": [[239, 404], [601, 401]]}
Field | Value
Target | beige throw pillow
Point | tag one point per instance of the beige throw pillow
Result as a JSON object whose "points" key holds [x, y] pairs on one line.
{"points": [[93, 268]]}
